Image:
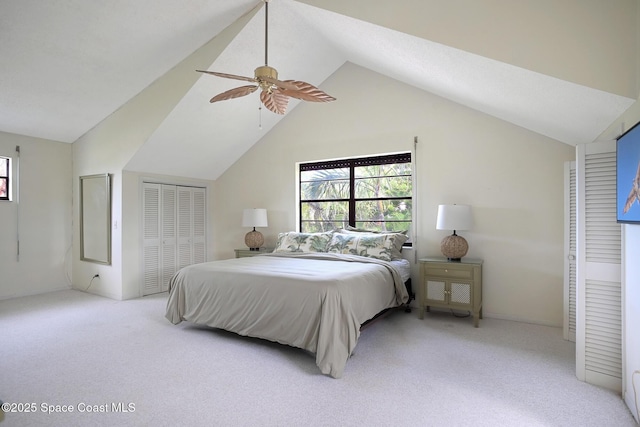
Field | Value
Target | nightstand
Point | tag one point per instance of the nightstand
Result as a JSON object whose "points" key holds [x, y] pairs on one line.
{"points": [[451, 284], [246, 252]]}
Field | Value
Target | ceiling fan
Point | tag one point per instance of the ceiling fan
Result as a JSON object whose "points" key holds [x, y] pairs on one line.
{"points": [[275, 93]]}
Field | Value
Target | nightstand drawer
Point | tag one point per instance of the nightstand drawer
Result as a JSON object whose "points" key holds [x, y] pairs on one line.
{"points": [[449, 271], [243, 253]]}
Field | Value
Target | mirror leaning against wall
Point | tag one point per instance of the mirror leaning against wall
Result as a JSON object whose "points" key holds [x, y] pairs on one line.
{"points": [[95, 218]]}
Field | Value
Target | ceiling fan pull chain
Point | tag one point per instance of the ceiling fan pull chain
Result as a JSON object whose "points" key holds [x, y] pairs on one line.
{"points": [[260, 115]]}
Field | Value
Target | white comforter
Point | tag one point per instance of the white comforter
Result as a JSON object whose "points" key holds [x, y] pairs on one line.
{"points": [[316, 302]]}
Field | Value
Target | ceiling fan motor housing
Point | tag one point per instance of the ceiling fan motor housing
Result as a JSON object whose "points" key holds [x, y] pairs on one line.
{"points": [[265, 71]]}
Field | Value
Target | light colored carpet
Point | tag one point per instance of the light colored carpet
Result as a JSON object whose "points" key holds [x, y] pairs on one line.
{"points": [[73, 348]]}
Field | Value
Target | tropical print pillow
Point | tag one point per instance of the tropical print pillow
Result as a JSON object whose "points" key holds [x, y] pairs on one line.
{"points": [[371, 245], [399, 238], [302, 242]]}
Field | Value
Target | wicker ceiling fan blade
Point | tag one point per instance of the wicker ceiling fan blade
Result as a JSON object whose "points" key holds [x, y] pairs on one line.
{"points": [[306, 92], [234, 93], [275, 101], [228, 76]]}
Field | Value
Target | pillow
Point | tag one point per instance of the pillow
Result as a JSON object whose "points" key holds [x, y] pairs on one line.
{"points": [[398, 237], [371, 245], [302, 242]]}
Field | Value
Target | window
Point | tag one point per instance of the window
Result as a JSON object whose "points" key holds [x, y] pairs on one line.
{"points": [[370, 192], [5, 172]]}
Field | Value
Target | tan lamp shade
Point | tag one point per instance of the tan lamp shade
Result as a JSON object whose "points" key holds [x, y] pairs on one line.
{"points": [[254, 218], [454, 217]]}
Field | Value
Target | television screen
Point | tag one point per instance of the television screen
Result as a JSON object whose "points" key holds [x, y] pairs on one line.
{"points": [[628, 176]]}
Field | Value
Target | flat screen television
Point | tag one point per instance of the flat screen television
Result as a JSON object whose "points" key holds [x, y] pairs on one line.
{"points": [[628, 176]]}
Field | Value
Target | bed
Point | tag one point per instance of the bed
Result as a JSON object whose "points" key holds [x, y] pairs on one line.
{"points": [[316, 301]]}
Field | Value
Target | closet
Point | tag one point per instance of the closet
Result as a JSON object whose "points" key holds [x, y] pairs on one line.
{"points": [[595, 268], [174, 232]]}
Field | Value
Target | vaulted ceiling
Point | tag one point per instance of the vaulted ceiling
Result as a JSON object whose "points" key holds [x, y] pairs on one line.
{"points": [[66, 65]]}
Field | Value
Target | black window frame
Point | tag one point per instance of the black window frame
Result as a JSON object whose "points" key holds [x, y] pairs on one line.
{"points": [[351, 164], [6, 177]]}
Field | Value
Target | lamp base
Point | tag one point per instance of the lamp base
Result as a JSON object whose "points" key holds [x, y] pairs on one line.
{"points": [[454, 247], [254, 240]]}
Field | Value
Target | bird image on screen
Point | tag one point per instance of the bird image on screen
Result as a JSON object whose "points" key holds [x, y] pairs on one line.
{"points": [[634, 195]]}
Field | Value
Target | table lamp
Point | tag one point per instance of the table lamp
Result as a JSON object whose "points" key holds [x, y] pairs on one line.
{"points": [[454, 217], [254, 218]]}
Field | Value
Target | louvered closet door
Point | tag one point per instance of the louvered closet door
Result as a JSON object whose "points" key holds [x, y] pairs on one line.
{"points": [[598, 277], [174, 232], [151, 246], [569, 327], [185, 227], [169, 233], [199, 225], [191, 226]]}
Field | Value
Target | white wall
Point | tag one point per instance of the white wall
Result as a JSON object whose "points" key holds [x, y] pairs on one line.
{"points": [[512, 177], [631, 313], [90, 157], [42, 218]]}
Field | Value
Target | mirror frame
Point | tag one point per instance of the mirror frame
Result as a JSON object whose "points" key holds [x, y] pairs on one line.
{"points": [[95, 218]]}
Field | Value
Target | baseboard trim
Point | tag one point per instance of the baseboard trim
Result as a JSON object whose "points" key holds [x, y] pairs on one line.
{"points": [[32, 293], [486, 315], [521, 320]]}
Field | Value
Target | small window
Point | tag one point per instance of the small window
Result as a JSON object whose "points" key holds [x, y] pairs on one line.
{"points": [[373, 193], [5, 172]]}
